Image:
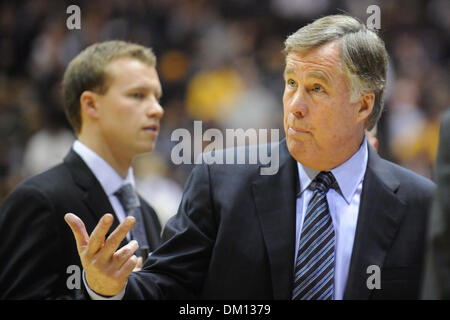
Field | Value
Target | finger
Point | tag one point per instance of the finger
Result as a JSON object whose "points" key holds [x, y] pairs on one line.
{"points": [[138, 264], [78, 229], [123, 254], [116, 237], [128, 267], [97, 238]]}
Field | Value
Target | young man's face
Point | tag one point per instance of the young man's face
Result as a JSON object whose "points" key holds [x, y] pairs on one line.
{"points": [[129, 111], [322, 126]]}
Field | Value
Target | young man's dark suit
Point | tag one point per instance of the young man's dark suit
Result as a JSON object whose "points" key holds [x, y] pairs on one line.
{"points": [[233, 236], [36, 245]]}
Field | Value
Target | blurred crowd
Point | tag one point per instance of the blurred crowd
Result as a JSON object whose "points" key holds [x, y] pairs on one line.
{"points": [[219, 61]]}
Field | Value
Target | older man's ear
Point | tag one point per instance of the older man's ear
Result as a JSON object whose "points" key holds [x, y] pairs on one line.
{"points": [[366, 107]]}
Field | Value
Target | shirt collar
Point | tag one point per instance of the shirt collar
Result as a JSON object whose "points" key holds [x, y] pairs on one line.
{"points": [[109, 179], [348, 174]]}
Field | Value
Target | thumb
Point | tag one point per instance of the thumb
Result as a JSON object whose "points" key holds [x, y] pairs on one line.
{"points": [[78, 229]]}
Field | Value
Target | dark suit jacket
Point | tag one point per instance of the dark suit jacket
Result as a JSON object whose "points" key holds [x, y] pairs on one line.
{"points": [[437, 276], [233, 235], [36, 244]]}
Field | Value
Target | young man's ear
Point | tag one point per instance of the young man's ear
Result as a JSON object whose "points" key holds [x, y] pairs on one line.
{"points": [[366, 107], [88, 104]]}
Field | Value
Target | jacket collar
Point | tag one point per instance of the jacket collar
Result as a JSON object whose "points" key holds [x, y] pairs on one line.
{"points": [[380, 214], [94, 196]]}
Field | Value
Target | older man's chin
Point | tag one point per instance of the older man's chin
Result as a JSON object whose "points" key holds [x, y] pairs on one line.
{"points": [[297, 149]]}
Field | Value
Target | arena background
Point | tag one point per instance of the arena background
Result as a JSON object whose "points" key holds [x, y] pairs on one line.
{"points": [[219, 62]]}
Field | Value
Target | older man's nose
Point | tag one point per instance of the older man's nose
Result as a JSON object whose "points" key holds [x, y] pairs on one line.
{"points": [[298, 105]]}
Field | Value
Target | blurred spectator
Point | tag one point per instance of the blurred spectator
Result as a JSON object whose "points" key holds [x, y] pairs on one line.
{"points": [[372, 138], [155, 185], [212, 94], [308, 8], [45, 149], [219, 61], [436, 283]]}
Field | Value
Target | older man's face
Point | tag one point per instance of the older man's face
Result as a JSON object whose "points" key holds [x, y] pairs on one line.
{"points": [[323, 129]]}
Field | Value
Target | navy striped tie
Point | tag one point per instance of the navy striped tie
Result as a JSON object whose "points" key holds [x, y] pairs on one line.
{"points": [[314, 269]]}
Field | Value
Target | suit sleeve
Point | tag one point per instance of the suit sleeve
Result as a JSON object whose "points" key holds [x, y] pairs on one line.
{"points": [[29, 247], [177, 269]]}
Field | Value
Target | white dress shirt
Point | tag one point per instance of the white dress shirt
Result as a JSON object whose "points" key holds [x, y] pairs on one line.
{"points": [[344, 208]]}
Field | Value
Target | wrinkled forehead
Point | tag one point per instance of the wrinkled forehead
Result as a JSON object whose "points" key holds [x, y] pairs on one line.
{"points": [[324, 67], [324, 56]]}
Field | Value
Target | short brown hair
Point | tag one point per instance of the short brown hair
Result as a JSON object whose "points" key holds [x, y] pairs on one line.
{"points": [[363, 54], [87, 71]]}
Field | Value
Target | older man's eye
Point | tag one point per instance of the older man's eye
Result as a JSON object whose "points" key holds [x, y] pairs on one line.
{"points": [[317, 88], [291, 83]]}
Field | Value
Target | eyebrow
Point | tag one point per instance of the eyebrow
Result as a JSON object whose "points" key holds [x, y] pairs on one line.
{"points": [[288, 71], [158, 93], [318, 75], [311, 74]]}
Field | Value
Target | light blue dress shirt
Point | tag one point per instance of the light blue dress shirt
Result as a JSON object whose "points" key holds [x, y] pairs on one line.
{"points": [[110, 181], [344, 208]]}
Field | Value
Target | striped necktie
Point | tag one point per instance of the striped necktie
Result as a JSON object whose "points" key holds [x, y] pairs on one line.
{"points": [[314, 268], [130, 202]]}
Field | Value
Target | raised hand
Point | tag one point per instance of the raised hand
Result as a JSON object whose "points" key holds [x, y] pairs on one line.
{"points": [[139, 264], [106, 268]]}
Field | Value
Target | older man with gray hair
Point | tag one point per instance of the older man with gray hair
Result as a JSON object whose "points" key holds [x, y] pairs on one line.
{"points": [[335, 222]]}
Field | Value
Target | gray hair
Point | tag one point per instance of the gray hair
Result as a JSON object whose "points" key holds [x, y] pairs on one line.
{"points": [[363, 54]]}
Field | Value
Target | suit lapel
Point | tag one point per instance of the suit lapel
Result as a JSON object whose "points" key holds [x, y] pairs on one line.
{"points": [[379, 216], [151, 226], [275, 201], [94, 196]]}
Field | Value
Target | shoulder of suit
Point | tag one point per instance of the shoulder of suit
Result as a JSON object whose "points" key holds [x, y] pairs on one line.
{"points": [[238, 158], [51, 180], [410, 180]]}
